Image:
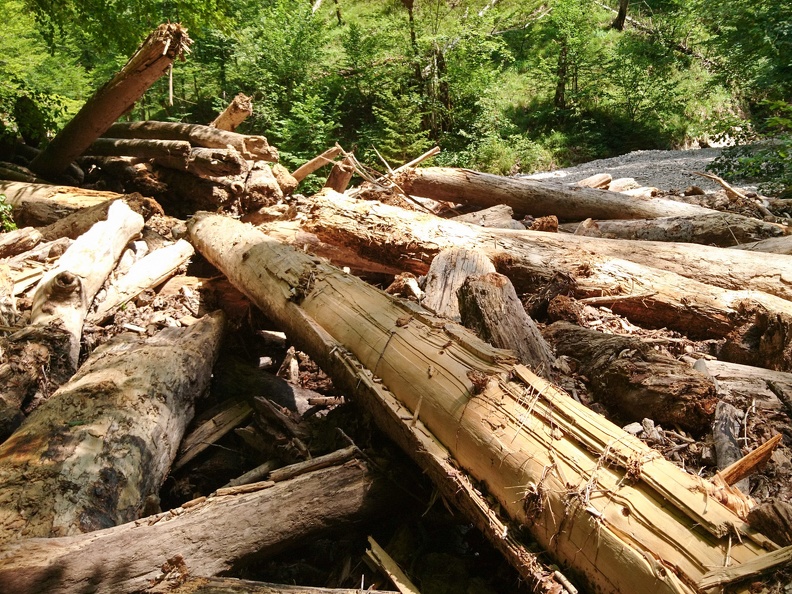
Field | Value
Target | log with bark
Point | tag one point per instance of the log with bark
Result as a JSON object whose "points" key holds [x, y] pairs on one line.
{"points": [[250, 147], [140, 149], [622, 518], [633, 381], [152, 59], [19, 241], [208, 537], [531, 197], [90, 456], [722, 229], [205, 162], [35, 205]]}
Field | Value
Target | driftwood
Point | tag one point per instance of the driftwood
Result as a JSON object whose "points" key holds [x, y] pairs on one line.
{"points": [[721, 229], [90, 456], [448, 271], [250, 147], [573, 464], [207, 162], [19, 241], [149, 62], [489, 306], [634, 381], [207, 537], [141, 149], [533, 197], [236, 112]]}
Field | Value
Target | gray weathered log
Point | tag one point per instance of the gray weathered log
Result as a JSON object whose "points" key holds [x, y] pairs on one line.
{"points": [[537, 198], [448, 271], [500, 216], [207, 162], [725, 431], [90, 456], [139, 148], [634, 381]]}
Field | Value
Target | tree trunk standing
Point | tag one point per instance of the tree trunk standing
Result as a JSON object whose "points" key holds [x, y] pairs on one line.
{"points": [[250, 147], [635, 382], [208, 538], [559, 100], [90, 456], [618, 22], [151, 60], [236, 112], [537, 198], [578, 501]]}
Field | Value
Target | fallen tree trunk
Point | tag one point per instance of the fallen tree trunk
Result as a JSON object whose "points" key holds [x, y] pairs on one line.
{"points": [[634, 382], [601, 501], [19, 241], [36, 205], [527, 196], [214, 585], [64, 294], [89, 457], [205, 162], [326, 158], [722, 229], [208, 537], [250, 147], [115, 98], [771, 245], [140, 149], [236, 112]]}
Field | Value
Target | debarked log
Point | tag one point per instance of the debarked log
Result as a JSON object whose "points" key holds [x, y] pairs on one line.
{"points": [[208, 537], [723, 229], [90, 456], [600, 501], [633, 381], [537, 198], [41, 204], [251, 147]]}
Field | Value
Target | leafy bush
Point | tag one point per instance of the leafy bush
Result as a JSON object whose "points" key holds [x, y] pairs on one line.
{"points": [[6, 222]]}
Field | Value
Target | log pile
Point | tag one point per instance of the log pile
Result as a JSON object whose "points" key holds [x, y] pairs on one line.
{"points": [[604, 402]]}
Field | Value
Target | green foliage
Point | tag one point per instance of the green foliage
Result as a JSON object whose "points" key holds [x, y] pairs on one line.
{"points": [[769, 163], [6, 222]]}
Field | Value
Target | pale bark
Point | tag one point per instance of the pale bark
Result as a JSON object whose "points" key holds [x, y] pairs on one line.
{"points": [[725, 431], [634, 381], [40, 204], [577, 499], [150, 61], [208, 538], [317, 162], [341, 174], [500, 217], [234, 114], [527, 196], [745, 386], [64, 294], [250, 147], [148, 272], [88, 458], [721, 229], [771, 245]]}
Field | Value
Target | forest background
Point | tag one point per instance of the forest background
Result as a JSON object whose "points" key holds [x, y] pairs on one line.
{"points": [[501, 86]]}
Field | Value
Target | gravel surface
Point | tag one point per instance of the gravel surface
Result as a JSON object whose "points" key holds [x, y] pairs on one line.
{"points": [[665, 170]]}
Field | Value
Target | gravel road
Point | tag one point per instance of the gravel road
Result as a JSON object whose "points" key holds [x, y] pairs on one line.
{"points": [[660, 169]]}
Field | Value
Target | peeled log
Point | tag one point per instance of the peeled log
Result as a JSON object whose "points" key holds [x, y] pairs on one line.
{"points": [[234, 114], [634, 381], [527, 196], [599, 500], [150, 61], [88, 458], [208, 538]]}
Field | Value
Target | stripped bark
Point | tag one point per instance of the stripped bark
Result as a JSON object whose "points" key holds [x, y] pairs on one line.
{"points": [[208, 537], [152, 59], [90, 456], [504, 433], [527, 196], [446, 275]]}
